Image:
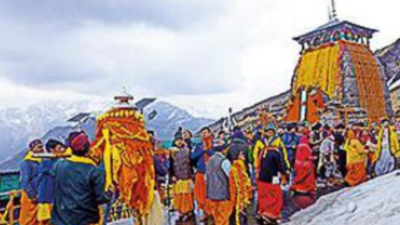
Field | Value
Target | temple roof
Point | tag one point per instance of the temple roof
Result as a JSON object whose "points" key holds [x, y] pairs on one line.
{"points": [[336, 24]]}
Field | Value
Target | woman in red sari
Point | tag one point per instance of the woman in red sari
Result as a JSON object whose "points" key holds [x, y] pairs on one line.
{"points": [[304, 182]]}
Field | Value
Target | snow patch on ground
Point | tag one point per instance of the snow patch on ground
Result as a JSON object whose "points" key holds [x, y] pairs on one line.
{"points": [[376, 202], [123, 222]]}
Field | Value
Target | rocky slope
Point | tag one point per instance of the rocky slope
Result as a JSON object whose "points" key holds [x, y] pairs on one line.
{"points": [[390, 59]]}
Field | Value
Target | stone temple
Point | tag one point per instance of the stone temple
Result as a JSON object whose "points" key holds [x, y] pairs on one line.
{"points": [[338, 76], [337, 79]]}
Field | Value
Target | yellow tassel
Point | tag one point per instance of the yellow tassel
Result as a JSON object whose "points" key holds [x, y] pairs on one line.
{"points": [[107, 159], [116, 159]]}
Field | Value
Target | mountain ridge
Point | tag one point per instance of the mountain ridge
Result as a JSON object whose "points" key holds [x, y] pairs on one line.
{"points": [[389, 56], [36, 121]]}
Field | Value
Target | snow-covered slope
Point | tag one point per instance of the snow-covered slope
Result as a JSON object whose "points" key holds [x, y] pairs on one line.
{"points": [[376, 202]]}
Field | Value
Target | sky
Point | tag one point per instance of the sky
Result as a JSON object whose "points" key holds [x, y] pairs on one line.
{"points": [[202, 55]]}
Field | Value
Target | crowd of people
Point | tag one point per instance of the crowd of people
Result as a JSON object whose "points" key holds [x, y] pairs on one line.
{"points": [[230, 175], [224, 178]]}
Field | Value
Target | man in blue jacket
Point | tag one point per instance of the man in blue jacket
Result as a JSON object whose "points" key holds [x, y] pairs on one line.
{"points": [[79, 186], [46, 180], [291, 140], [28, 181]]}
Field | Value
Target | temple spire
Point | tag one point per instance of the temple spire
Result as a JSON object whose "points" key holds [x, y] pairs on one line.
{"points": [[333, 12], [329, 13]]}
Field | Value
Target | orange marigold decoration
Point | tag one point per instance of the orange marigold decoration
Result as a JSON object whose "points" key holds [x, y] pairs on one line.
{"points": [[240, 188]]}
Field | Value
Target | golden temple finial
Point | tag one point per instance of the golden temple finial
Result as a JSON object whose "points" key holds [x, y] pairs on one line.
{"points": [[123, 100]]}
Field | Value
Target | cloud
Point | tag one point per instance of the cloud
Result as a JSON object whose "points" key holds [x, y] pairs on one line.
{"points": [[176, 14], [206, 54], [132, 51]]}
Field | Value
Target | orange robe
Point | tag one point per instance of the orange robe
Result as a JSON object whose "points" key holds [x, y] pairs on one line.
{"points": [[356, 161], [356, 174], [220, 211], [200, 178], [183, 197], [200, 189], [28, 210]]}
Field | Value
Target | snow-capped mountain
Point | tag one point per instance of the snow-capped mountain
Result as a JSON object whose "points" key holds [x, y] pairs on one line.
{"points": [[48, 120], [376, 202], [59, 133], [20, 125], [169, 118]]}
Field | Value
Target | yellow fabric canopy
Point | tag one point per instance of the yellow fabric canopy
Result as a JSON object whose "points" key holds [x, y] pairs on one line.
{"points": [[319, 68]]}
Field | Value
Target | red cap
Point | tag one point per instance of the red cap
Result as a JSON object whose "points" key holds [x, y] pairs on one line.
{"points": [[79, 141]]}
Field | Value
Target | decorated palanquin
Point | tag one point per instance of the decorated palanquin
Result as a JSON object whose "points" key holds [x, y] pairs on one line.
{"points": [[337, 62], [124, 146]]}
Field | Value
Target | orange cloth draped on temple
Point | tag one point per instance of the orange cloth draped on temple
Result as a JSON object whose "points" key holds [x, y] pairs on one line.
{"points": [[315, 104], [294, 109], [321, 68], [124, 145]]}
